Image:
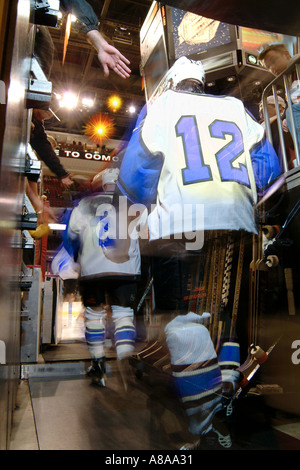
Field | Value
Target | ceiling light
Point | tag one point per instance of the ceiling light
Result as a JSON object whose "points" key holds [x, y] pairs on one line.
{"points": [[88, 102], [132, 109], [69, 100], [114, 102]]}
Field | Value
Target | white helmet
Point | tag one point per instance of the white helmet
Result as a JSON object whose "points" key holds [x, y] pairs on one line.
{"points": [[185, 69]]}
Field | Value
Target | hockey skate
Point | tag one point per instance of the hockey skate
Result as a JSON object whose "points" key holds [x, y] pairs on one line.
{"points": [[97, 371], [220, 429], [217, 438]]}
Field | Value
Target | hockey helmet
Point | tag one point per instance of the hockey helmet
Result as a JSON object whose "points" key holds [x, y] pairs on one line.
{"points": [[185, 69]]}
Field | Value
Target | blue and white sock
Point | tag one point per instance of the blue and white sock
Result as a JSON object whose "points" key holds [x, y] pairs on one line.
{"points": [[195, 368], [229, 361], [95, 327], [124, 330]]}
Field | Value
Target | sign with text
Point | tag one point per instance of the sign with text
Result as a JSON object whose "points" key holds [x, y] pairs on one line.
{"points": [[86, 155]]}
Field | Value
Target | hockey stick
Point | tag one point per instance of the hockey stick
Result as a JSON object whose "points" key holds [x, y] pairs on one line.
{"points": [[219, 258], [148, 287], [248, 369], [226, 286], [237, 291], [202, 304]]}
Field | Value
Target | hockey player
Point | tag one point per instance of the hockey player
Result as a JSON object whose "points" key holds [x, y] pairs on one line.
{"points": [[200, 150], [109, 270], [197, 162]]}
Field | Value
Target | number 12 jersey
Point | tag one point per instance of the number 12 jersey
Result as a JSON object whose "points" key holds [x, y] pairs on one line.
{"points": [[197, 160]]}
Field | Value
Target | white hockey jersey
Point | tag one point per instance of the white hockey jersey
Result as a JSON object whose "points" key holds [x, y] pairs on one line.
{"points": [[94, 224], [199, 158]]}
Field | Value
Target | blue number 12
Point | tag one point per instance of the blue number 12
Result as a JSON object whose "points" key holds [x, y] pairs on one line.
{"points": [[196, 170]]}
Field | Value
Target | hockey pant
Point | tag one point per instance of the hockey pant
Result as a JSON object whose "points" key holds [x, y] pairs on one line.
{"points": [[95, 331], [195, 369]]}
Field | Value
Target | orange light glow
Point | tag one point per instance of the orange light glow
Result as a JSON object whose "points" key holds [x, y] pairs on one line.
{"points": [[114, 102], [99, 128]]}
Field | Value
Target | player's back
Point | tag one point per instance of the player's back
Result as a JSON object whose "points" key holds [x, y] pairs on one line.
{"points": [[94, 222], [205, 142]]}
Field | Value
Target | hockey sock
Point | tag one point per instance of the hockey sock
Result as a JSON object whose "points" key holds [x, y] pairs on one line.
{"points": [[95, 323], [197, 375], [229, 361], [124, 330]]}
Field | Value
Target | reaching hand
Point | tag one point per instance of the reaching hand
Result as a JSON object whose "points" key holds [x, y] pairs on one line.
{"points": [[66, 181], [109, 57]]}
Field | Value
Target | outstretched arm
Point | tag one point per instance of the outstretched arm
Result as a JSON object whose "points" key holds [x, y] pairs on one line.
{"points": [[108, 55]]}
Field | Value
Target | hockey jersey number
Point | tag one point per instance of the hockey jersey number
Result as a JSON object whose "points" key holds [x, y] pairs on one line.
{"points": [[196, 170]]}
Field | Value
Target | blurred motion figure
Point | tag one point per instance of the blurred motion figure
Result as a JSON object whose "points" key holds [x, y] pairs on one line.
{"points": [[196, 161], [109, 271]]}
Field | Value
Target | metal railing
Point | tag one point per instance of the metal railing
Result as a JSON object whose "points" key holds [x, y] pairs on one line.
{"points": [[285, 79]]}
